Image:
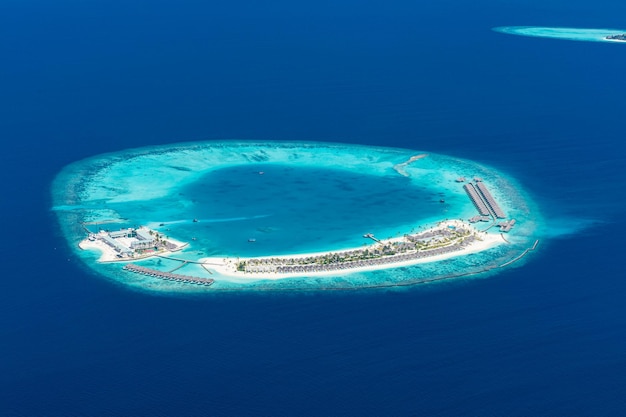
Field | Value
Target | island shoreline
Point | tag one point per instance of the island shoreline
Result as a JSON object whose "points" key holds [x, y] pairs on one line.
{"points": [[227, 266]]}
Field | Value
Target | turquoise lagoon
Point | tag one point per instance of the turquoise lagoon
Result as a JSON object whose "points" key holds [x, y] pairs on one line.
{"points": [[277, 198], [571, 34]]}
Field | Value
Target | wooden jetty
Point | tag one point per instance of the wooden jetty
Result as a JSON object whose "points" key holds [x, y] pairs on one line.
{"points": [[371, 236], [168, 275], [477, 200], [491, 202]]}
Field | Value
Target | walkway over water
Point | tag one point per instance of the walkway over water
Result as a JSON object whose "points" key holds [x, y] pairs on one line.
{"points": [[478, 202], [491, 202], [483, 200], [168, 275]]}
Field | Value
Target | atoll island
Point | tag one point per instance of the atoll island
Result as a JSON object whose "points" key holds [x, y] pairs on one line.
{"points": [[244, 215]]}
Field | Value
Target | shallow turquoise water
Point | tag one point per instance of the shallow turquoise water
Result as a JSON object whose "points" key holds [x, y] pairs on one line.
{"points": [[291, 209], [262, 199]]}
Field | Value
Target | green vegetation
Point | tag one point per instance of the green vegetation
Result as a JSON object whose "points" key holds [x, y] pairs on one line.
{"points": [[422, 242]]}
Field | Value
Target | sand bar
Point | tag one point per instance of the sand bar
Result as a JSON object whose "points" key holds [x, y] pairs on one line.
{"points": [[400, 168]]}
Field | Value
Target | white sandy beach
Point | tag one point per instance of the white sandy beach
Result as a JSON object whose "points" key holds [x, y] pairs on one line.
{"points": [[227, 266]]}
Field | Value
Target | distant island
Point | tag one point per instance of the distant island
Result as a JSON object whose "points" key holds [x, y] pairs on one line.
{"points": [[566, 33], [620, 37]]}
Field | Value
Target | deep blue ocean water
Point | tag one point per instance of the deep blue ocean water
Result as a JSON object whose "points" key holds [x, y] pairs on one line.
{"points": [[82, 78]]}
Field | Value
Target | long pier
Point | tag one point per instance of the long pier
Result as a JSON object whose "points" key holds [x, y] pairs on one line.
{"points": [[171, 258], [491, 202], [168, 275], [371, 236], [477, 200], [178, 267]]}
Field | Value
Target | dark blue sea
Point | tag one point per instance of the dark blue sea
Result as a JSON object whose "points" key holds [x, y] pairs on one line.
{"points": [[546, 339]]}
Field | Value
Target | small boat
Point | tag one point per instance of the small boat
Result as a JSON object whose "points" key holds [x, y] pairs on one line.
{"points": [[261, 172], [252, 240], [195, 220]]}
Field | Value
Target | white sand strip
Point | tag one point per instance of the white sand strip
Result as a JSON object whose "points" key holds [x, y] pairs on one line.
{"points": [[227, 266]]}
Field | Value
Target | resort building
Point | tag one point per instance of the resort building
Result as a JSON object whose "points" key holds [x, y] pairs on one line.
{"points": [[143, 240], [115, 244], [132, 243]]}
